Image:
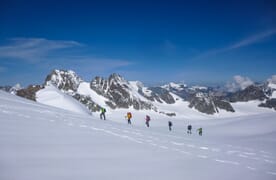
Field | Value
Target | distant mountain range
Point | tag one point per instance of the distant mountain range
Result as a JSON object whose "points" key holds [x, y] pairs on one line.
{"points": [[116, 92]]}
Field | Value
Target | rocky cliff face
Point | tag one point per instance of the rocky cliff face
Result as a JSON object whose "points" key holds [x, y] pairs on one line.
{"points": [[203, 99], [29, 92], [270, 92], [119, 92], [158, 94], [181, 90], [68, 82], [253, 92], [270, 103], [203, 104], [64, 80], [223, 104], [88, 102], [209, 104]]}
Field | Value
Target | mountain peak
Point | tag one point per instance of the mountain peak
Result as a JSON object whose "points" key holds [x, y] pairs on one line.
{"points": [[120, 92], [175, 86], [117, 78], [15, 88], [63, 79]]}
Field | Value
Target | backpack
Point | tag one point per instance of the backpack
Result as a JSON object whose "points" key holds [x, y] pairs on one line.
{"points": [[129, 115], [147, 118]]}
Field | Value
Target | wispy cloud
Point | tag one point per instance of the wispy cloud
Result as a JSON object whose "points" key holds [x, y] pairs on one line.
{"points": [[239, 82], [33, 49], [272, 79], [55, 54], [253, 39], [242, 43]]}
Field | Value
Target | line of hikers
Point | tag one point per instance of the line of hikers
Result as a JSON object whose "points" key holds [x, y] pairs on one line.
{"points": [[189, 127], [147, 119], [128, 116], [189, 131]]}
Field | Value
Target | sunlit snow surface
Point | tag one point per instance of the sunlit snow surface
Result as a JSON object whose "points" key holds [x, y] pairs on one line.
{"points": [[51, 96], [47, 143]]}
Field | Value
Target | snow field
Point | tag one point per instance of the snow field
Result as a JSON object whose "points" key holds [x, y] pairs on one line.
{"points": [[41, 142]]}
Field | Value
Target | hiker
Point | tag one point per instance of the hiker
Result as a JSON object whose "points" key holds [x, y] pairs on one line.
{"points": [[129, 116], [199, 131], [147, 120], [170, 125], [189, 127], [102, 115]]}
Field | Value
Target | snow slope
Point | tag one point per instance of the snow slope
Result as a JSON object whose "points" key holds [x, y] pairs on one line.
{"points": [[273, 88], [42, 142], [272, 85], [84, 89], [51, 96]]}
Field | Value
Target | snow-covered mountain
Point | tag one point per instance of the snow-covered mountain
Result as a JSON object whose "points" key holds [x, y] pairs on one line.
{"points": [[264, 93], [29, 92], [252, 92], [64, 80], [120, 93], [115, 92], [203, 99], [270, 91], [11, 89], [5, 88], [43, 142], [51, 95]]}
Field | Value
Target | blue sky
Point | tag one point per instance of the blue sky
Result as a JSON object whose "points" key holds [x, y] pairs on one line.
{"points": [[203, 42]]}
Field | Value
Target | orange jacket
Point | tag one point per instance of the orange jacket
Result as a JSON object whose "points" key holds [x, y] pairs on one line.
{"points": [[129, 115]]}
